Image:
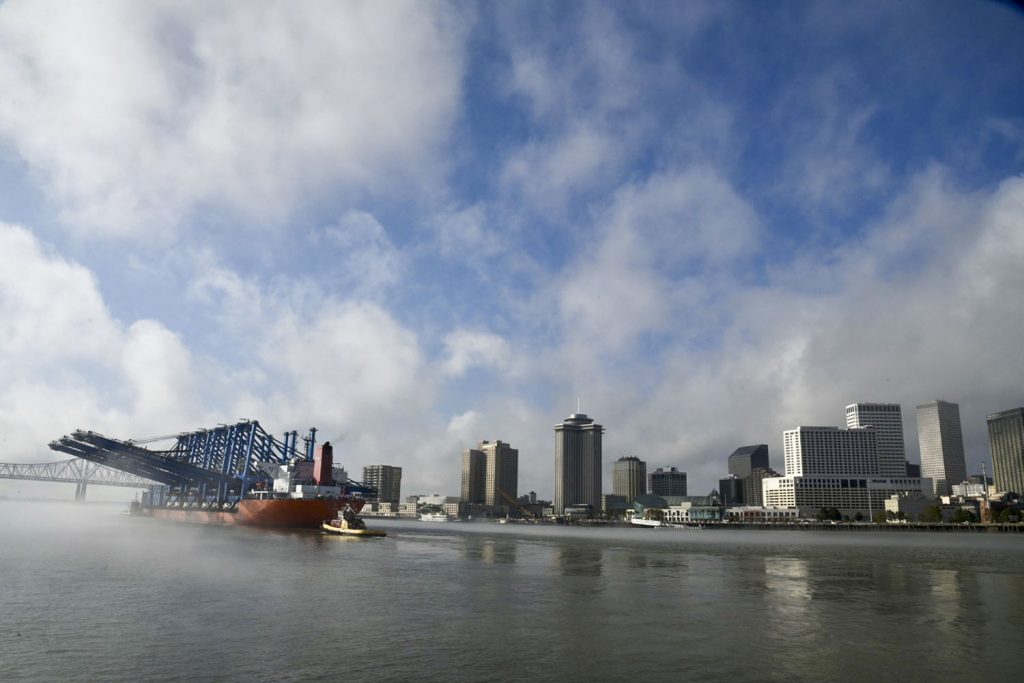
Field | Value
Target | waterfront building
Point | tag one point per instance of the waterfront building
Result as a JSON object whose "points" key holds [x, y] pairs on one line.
{"points": [[613, 505], [668, 482], [1006, 443], [831, 467], [760, 515], [913, 469], [474, 476], [909, 507], [887, 420], [942, 445], [629, 478], [850, 494], [577, 464], [501, 480], [387, 480], [742, 463]]}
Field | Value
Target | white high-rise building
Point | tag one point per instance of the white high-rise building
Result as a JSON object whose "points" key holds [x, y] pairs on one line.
{"points": [[830, 450], [832, 467], [887, 420], [942, 445]]}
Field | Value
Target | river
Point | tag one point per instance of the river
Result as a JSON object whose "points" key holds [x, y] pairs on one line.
{"points": [[89, 594]]}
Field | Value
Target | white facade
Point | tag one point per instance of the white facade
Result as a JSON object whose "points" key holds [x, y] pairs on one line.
{"points": [[942, 445], [754, 513], [850, 494], [887, 421], [969, 490], [829, 451]]}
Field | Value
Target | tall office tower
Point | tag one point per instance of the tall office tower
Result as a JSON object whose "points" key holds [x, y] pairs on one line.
{"points": [[501, 485], [731, 490], [578, 463], [629, 478], [743, 461], [887, 419], [753, 487], [474, 476], [830, 450], [942, 445], [668, 482], [1006, 441], [746, 458], [386, 479]]}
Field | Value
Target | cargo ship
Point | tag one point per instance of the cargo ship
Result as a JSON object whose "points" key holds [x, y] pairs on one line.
{"points": [[304, 495]]}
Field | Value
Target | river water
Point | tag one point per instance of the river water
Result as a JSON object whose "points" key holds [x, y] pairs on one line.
{"points": [[89, 594]]}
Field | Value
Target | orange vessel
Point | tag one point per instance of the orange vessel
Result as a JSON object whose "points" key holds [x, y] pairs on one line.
{"points": [[274, 512], [304, 495]]}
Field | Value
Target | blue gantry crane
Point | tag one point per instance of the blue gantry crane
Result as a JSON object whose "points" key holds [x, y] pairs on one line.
{"points": [[208, 466]]}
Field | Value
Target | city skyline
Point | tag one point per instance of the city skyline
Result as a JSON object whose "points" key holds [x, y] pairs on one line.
{"points": [[418, 225]]}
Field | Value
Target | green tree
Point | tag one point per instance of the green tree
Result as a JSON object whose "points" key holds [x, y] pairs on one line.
{"points": [[1008, 515], [859, 517], [931, 514], [880, 517], [962, 516]]}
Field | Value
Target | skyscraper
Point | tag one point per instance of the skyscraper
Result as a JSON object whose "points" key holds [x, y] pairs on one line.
{"points": [[731, 490], [577, 463], [942, 445], [386, 479], [668, 481], [887, 419], [501, 478], [814, 451], [474, 476], [629, 478], [1006, 442], [742, 463]]}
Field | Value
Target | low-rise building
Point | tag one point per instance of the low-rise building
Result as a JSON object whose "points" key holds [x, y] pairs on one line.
{"points": [[761, 515], [850, 494]]}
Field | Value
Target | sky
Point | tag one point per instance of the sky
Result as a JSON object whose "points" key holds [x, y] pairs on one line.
{"points": [[418, 225]]}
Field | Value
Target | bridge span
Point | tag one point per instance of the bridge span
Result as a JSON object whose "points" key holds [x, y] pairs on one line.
{"points": [[76, 471]]}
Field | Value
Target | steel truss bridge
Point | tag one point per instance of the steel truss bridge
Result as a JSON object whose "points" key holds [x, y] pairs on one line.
{"points": [[214, 466], [79, 472]]}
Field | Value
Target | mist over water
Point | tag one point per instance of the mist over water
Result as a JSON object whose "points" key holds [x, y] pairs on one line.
{"points": [[88, 594]]}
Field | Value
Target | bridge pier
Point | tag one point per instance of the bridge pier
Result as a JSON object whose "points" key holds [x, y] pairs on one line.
{"points": [[80, 490]]}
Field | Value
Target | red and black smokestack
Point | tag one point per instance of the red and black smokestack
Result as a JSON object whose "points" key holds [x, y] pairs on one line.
{"points": [[323, 464]]}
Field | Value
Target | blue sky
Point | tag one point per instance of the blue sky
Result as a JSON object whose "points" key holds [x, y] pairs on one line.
{"points": [[422, 225]]}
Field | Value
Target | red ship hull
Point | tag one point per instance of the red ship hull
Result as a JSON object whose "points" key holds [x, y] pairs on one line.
{"points": [[276, 512]]}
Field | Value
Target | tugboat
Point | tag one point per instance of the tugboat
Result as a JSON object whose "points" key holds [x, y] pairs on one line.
{"points": [[347, 524]]}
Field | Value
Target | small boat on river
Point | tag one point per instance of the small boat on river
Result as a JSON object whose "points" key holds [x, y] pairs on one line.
{"points": [[347, 524]]}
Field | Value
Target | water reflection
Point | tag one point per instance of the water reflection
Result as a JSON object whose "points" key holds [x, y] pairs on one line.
{"points": [[490, 550], [580, 560]]}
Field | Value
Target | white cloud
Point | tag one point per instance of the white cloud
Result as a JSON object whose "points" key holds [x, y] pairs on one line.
{"points": [[651, 252], [68, 363], [137, 114], [465, 232], [50, 308], [466, 349], [370, 262]]}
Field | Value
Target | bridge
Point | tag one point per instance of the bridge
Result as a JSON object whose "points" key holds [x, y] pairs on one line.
{"points": [[76, 471]]}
